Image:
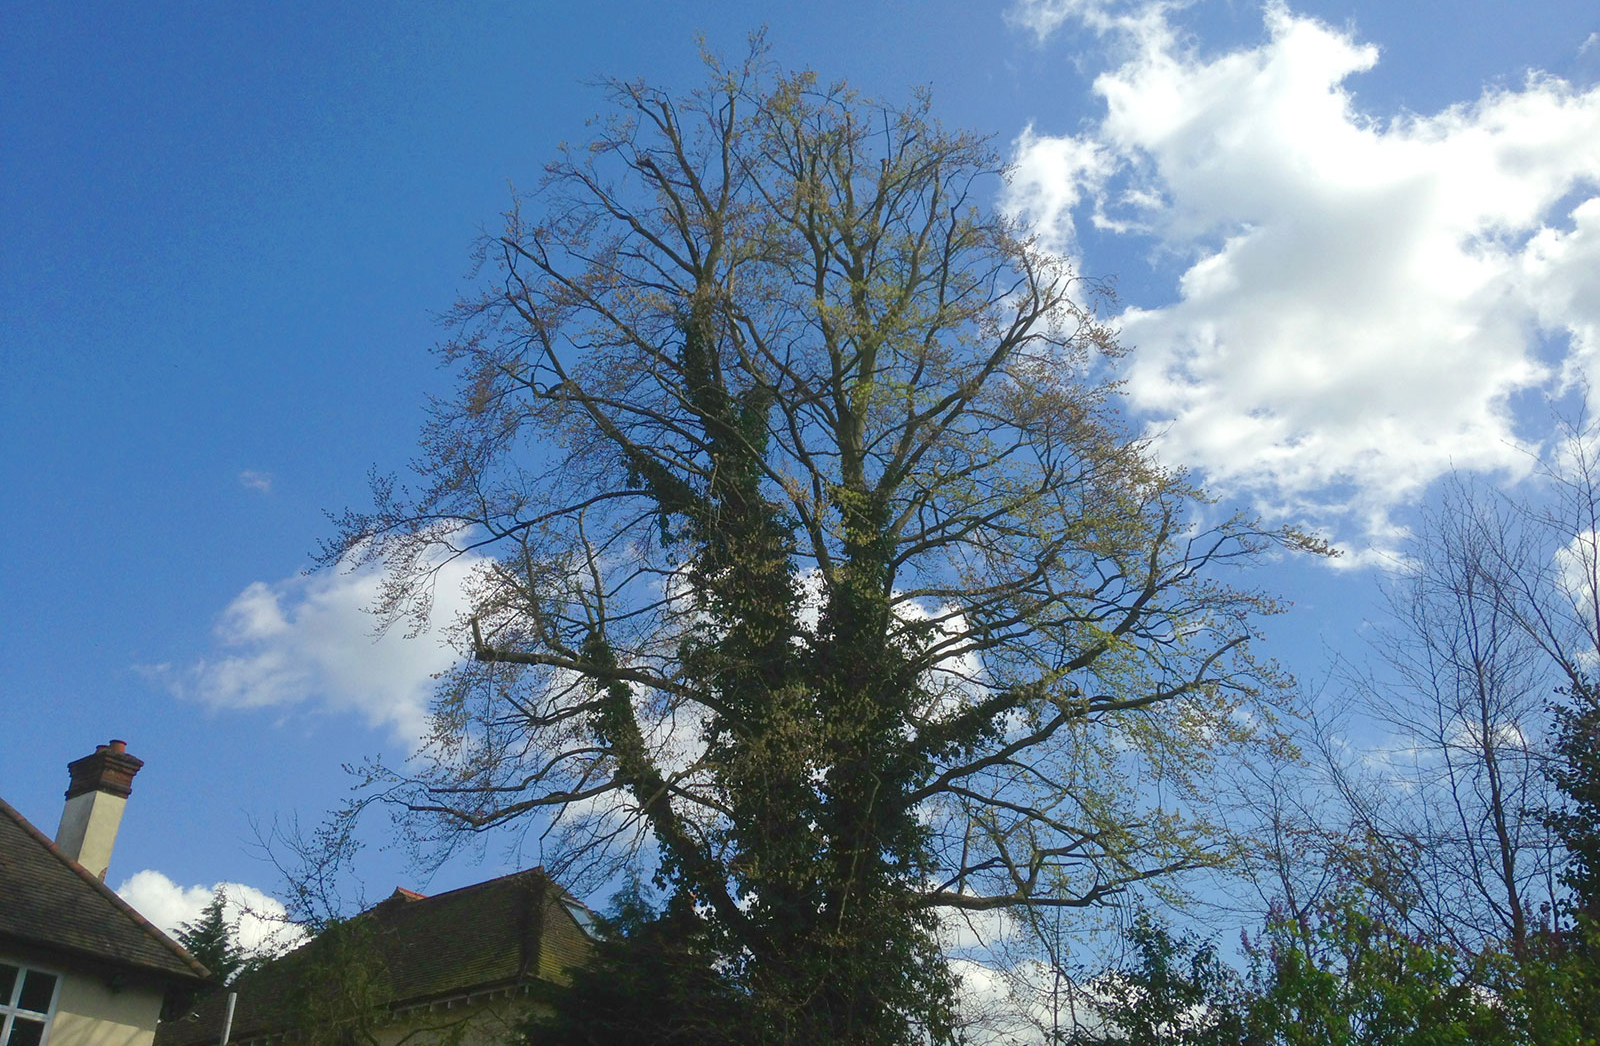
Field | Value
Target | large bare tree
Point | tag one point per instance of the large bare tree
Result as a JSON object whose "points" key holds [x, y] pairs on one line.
{"points": [[818, 566], [1454, 805], [1492, 629]]}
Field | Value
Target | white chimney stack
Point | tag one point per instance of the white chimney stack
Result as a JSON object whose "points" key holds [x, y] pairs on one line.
{"points": [[101, 784]]}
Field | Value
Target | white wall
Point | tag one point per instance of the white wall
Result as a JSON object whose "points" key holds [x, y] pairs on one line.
{"points": [[89, 1013]]}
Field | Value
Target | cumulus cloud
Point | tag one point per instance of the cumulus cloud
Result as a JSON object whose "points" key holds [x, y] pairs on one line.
{"points": [[259, 920], [1559, 271], [1363, 303], [1050, 179], [311, 640]]}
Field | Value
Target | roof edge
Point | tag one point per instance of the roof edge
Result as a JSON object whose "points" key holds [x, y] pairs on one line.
{"points": [[398, 1007], [537, 871], [197, 969]]}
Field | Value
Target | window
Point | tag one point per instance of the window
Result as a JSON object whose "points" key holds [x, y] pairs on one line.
{"points": [[580, 913], [27, 1001]]}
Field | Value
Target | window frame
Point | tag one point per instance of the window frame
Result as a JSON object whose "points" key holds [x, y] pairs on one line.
{"points": [[9, 1011]]}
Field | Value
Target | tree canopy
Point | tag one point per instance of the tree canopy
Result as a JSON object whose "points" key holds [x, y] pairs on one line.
{"points": [[818, 573]]}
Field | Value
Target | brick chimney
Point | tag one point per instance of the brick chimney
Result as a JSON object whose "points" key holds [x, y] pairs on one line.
{"points": [[100, 787]]}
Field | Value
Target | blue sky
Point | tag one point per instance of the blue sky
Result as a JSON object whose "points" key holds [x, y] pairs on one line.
{"points": [[1358, 243]]}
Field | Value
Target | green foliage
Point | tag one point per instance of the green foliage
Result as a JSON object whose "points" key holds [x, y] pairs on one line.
{"points": [[1546, 997], [1569, 966], [341, 986], [653, 981], [212, 940], [1349, 979], [1340, 978], [1575, 769], [1175, 992]]}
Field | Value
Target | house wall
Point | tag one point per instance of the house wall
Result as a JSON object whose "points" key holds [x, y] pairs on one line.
{"points": [[90, 1013], [489, 1023]]}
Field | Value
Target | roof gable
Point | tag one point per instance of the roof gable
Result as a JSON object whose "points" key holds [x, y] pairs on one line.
{"points": [[52, 902]]}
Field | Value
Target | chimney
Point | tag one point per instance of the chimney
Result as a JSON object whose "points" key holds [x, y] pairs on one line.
{"points": [[100, 787]]}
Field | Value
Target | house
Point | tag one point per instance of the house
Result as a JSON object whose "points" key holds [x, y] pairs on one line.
{"points": [[462, 967], [78, 966]]}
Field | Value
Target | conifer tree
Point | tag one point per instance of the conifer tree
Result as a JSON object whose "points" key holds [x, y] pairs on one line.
{"points": [[210, 938]]}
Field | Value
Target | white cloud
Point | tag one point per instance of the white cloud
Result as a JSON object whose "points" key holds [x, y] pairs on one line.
{"points": [[253, 480], [1050, 179], [311, 640], [260, 921], [1560, 270], [1362, 301], [1045, 17], [1577, 570]]}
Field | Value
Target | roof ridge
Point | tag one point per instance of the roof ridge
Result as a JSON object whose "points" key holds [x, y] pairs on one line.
{"points": [[111, 895], [536, 870]]}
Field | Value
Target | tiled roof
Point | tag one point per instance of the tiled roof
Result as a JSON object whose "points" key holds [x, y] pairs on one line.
{"points": [[51, 902], [499, 934]]}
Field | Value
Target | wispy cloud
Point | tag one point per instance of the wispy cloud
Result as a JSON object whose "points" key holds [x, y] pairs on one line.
{"points": [[1362, 302], [253, 480]]}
